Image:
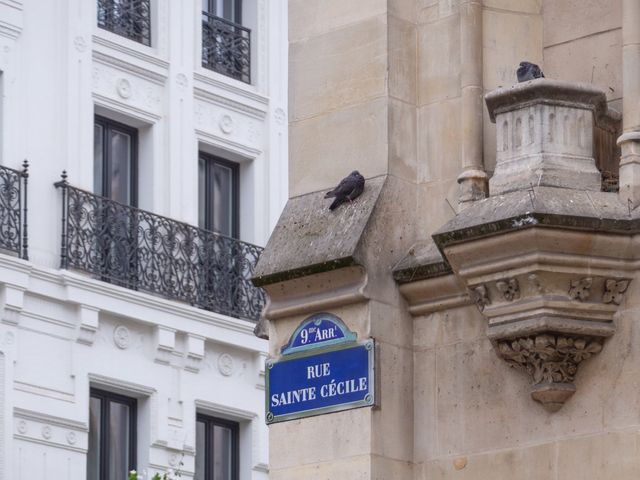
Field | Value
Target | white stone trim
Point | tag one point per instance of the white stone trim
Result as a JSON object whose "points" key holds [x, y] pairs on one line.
{"points": [[234, 87], [225, 411], [117, 385], [256, 111], [230, 145], [127, 67]]}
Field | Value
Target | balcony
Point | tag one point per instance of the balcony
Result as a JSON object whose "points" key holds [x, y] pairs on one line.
{"points": [[226, 47], [13, 210], [143, 251], [128, 18]]}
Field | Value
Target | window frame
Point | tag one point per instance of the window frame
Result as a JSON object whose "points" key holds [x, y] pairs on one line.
{"points": [[209, 161], [106, 397], [237, 7], [107, 125], [210, 422]]}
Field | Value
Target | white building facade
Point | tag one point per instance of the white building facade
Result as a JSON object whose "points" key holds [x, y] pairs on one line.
{"points": [[126, 333]]}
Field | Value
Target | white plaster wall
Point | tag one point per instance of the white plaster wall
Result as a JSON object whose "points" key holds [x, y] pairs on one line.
{"points": [[58, 329]]}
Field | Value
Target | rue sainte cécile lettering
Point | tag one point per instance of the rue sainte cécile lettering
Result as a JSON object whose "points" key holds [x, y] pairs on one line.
{"points": [[327, 390]]}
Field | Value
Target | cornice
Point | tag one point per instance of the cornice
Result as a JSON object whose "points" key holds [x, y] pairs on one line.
{"points": [[241, 90], [128, 67], [210, 97], [49, 419], [144, 115], [131, 388], [237, 147]]}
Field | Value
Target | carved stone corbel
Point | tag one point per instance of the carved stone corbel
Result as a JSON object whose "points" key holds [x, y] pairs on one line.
{"points": [[551, 361]]}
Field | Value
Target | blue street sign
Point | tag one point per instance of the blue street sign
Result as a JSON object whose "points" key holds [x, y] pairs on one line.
{"points": [[322, 369]]}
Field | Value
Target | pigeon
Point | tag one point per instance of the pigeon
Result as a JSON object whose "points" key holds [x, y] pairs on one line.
{"points": [[529, 71], [348, 189]]}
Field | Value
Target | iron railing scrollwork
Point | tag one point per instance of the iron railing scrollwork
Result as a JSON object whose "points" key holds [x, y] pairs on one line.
{"points": [[128, 18], [226, 47], [13, 210], [140, 250]]}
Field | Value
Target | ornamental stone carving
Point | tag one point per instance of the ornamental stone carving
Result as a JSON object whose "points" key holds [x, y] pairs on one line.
{"points": [[80, 43], [226, 124], [121, 337], [123, 87], [510, 289], [226, 364], [580, 289], [480, 296], [22, 427], [72, 438], [551, 361], [614, 290]]}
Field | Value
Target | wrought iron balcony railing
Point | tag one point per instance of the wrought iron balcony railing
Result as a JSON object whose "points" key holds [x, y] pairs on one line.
{"points": [[140, 250], [129, 18], [13, 210], [226, 47]]}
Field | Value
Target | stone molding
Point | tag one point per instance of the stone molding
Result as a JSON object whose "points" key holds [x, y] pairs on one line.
{"points": [[36, 427]]}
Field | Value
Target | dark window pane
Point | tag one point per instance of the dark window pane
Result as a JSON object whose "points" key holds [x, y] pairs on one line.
{"points": [[114, 167], [218, 196], [98, 159], [222, 453], [200, 450], [202, 194], [216, 449], [228, 9], [118, 441], [120, 167], [93, 455], [223, 199]]}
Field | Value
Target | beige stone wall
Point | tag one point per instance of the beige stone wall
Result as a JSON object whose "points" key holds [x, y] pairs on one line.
{"points": [[473, 410], [583, 43]]}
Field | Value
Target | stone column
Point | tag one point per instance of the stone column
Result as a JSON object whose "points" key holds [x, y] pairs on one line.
{"points": [[473, 179], [629, 141]]}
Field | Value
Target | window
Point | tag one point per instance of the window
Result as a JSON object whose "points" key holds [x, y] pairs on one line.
{"points": [[114, 177], [230, 10], [129, 18], [226, 44], [115, 161], [112, 436], [218, 192], [217, 449]]}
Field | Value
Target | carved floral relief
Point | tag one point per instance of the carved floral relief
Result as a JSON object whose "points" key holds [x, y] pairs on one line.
{"points": [[509, 288], [614, 290], [580, 289]]}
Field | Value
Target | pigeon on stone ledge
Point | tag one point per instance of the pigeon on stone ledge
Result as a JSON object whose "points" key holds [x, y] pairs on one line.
{"points": [[529, 71], [347, 190]]}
